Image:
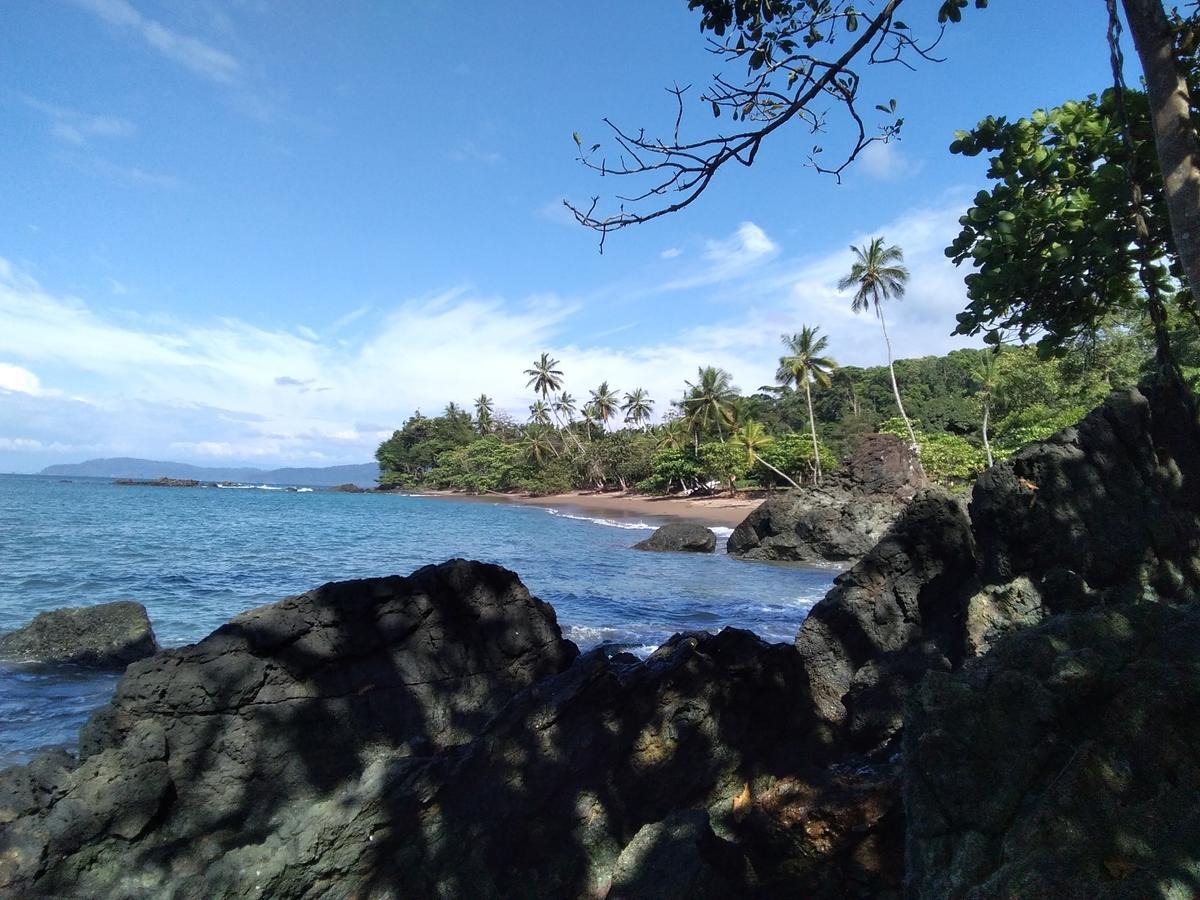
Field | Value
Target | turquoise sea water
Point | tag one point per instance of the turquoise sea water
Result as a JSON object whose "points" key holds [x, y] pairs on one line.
{"points": [[196, 557]]}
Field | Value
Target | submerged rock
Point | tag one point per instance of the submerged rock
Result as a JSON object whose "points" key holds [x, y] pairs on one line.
{"points": [[842, 519], [104, 636], [680, 537]]}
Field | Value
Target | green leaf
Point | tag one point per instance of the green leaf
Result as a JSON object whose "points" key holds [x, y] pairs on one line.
{"points": [[578, 139]]}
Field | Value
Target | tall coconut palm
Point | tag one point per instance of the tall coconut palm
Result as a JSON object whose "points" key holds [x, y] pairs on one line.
{"points": [[539, 413], [751, 438], [604, 403], [878, 274], [545, 377], [804, 365], [590, 418], [710, 401], [987, 372], [637, 407], [483, 413]]}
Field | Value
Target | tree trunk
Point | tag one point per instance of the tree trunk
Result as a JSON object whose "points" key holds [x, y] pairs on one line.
{"points": [[987, 446], [759, 459], [912, 437], [1174, 134], [812, 426]]}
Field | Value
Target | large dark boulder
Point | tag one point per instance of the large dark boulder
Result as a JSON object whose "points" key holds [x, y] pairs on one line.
{"points": [[680, 537], [1108, 509], [226, 743], [1062, 764], [105, 636], [898, 612], [842, 519]]}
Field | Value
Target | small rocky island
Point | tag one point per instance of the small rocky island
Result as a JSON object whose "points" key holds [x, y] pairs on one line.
{"points": [[997, 701]]}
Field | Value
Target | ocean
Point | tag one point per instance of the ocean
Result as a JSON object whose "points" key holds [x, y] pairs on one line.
{"points": [[195, 557]]}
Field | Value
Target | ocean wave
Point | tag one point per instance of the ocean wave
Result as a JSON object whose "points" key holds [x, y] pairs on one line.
{"points": [[615, 638], [608, 523], [721, 530], [265, 487]]}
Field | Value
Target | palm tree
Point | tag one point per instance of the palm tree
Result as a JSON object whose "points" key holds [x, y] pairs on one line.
{"points": [[539, 413], [637, 407], [564, 407], [545, 377], [604, 403], [987, 373], [710, 401], [483, 413], [878, 274], [802, 366], [537, 444], [673, 435], [750, 438], [590, 417]]}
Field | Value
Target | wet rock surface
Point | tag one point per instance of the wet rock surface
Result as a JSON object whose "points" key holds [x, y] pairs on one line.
{"points": [[840, 520], [104, 636], [680, 537]]}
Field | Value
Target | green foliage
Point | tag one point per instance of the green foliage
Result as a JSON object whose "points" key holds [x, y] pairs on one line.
{"points": [[722, 462], [1054, 241], [671, 467], [947, 458], [792, 454], [416, 446], [1033, 423], [485, 465]]}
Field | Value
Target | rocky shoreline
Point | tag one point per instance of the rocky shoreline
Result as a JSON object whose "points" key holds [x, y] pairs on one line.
{"points": [[994, 701]]}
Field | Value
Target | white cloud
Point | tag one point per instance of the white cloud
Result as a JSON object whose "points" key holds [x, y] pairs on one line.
{"points": [[189, 52], [76, 127], [470, 152], [18, 380], [885, 162], [226, 389], [670, 253], [733, 257]]}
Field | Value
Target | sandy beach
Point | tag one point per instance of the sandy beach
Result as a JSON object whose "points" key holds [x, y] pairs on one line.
{"points": [[726, 511]]}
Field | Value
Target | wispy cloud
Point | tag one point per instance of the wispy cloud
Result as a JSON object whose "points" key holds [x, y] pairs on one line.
{"points": [[189, 52], [886, 162], [728, 258], [75, 127], [228, 389], [470, 152]]}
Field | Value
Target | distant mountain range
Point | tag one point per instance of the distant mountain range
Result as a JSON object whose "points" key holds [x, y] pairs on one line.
{"points": [[363, 475]]}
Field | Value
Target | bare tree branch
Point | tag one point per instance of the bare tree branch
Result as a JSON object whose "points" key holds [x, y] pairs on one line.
{"points": [[786, 80]]}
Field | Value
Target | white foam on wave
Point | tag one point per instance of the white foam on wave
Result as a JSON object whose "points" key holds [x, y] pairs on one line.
{"points": [[608, 523], [588, 636], [720, 530]]}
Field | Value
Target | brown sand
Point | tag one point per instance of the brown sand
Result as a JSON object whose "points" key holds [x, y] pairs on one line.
{"points": [[726, 511]]}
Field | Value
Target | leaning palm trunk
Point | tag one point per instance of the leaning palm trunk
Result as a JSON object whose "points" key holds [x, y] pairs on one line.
{"points": [[912, 437], [759, 459], [812, 426], [987, 446]]}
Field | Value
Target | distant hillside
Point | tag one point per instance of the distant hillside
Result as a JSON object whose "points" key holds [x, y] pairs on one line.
{"points": [[363, 475]]}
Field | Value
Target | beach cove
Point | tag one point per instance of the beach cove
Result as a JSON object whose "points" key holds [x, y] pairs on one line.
{"points": [[197, 557]]}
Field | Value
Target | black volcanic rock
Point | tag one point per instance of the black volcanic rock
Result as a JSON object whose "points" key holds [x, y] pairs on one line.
{"points": [[680, 537], [840, 520], [104, 636], [1061, 764]]}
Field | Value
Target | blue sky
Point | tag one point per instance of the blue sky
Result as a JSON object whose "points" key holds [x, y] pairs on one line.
{"points": [[265, 232]]}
